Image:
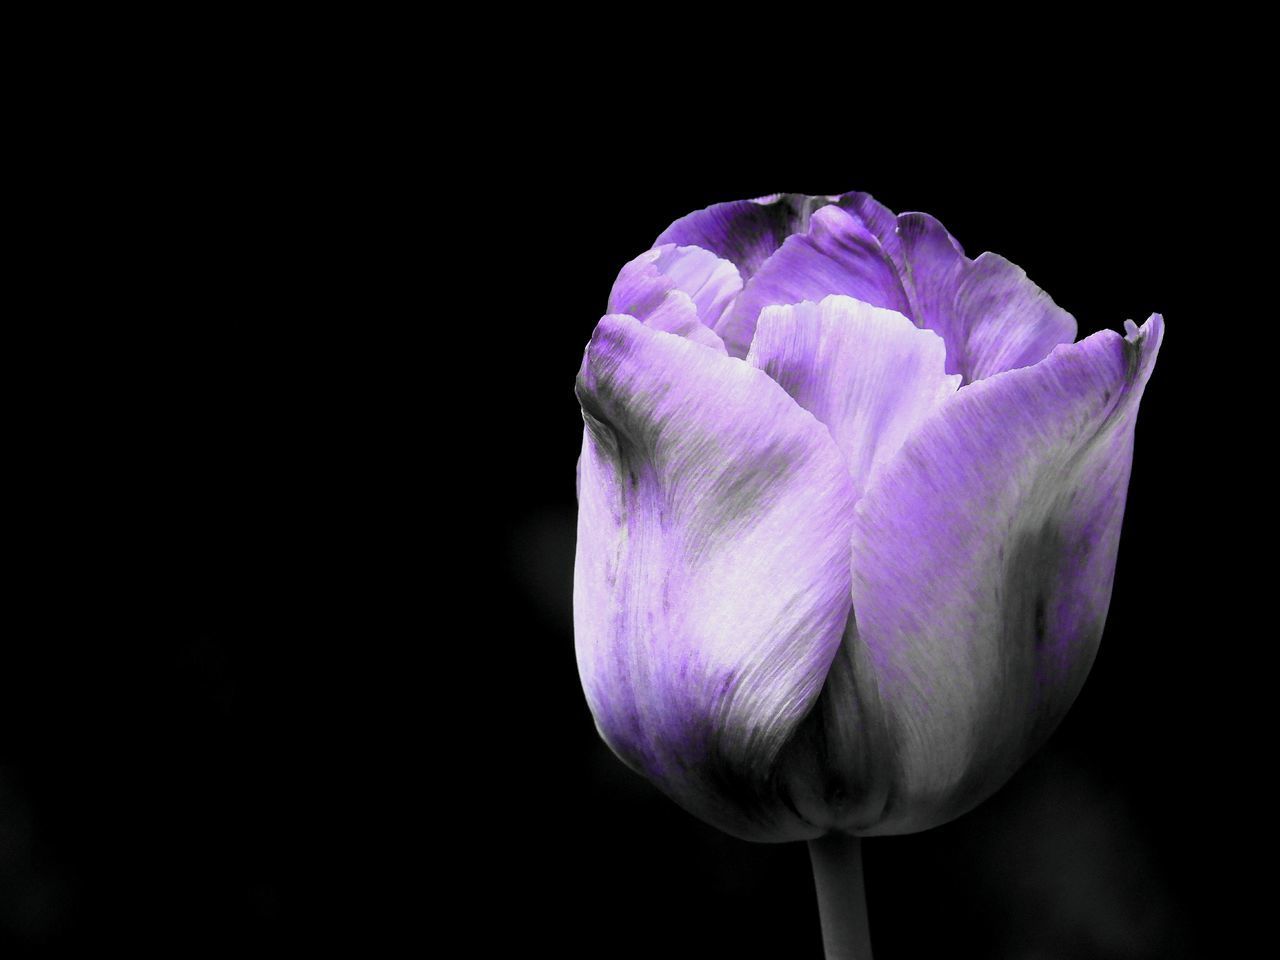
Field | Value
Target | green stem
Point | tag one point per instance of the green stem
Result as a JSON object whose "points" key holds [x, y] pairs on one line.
{"points": [[842, 897]]}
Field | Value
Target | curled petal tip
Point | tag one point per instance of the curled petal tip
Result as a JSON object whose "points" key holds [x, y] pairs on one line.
{"points": [[1153, 327]]}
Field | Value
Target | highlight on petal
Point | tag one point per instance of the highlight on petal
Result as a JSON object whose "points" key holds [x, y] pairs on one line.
{"points": [[983, 560], [836, 255], [642, 285], [869, 374], [711, 583]]}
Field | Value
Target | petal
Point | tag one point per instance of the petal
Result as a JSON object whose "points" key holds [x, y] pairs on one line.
{"points": [[931, 265], [711, 584], [983, 559], [869, 374], [876, 217], [677, 314], [745, 232], [710, 282], [992, 317], [837, 255], [1010, 322]]}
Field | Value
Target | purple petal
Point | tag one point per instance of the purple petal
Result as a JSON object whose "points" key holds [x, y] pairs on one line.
{"points": [[991, 316], [837, 255], [677, 314], [744, 232], [932, 264], [642, 285], [712, 575], [869, 374], [1010, 322], [983, 560]]}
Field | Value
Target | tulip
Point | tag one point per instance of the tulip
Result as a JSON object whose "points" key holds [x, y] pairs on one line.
{"points": [[848, 511]]}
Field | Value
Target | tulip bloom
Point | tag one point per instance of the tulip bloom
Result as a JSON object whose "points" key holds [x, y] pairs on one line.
{"points": [[849, 504]]}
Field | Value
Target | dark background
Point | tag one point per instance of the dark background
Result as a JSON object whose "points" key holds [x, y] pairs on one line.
{"points": [[295, 666]]}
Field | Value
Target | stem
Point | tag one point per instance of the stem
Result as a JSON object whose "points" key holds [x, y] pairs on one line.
{"points": [[842, 896]]}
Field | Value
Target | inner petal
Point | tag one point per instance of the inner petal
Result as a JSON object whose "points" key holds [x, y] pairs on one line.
{"points": [[677, 314], [643, 284], [837, 255], [869, 374], [745, 232]]}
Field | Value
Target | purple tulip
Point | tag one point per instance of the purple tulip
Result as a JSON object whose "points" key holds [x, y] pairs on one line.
{"points": [[849, 505]]}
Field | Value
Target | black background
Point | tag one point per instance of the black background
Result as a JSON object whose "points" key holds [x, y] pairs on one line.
{"points": [[297, 666]]}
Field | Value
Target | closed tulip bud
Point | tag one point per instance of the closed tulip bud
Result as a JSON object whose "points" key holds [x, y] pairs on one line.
{"points": [[849, 504]]}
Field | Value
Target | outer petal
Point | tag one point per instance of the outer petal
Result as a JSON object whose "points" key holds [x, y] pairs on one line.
{"points": [[869, 374], [710, 282], [983, 561], [836, 255], [711, 583]]}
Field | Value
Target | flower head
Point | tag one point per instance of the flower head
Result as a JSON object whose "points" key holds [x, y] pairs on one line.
{"points": [[849, 504]]}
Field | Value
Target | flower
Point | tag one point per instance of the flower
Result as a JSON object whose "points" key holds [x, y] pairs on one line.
{"points": [[848, 511]]}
